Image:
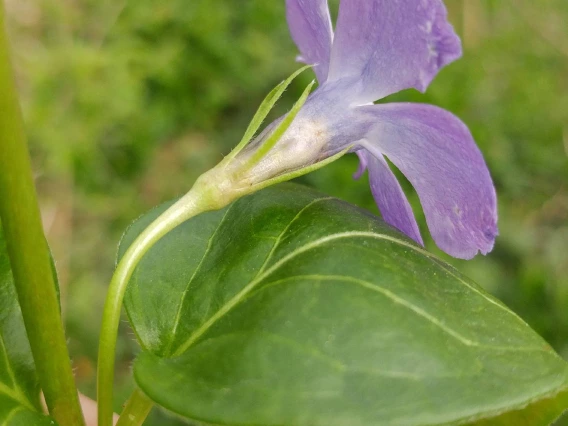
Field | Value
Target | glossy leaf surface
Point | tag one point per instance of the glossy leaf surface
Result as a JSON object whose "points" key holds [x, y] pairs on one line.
{"points": [[19, 390], [293, 308]]}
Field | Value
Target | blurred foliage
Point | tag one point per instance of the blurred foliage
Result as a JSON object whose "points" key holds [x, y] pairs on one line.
{"points": [[127, 103]]}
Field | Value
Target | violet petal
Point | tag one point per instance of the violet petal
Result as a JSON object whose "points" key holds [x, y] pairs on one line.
{"points": [[311, 30], [438, 155], [362, 154], [389, 196], [387, 46]]}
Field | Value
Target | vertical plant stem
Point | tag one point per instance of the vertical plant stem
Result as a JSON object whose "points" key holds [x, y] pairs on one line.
{"points": [[136, 410], [188, 206], [29, 255]]}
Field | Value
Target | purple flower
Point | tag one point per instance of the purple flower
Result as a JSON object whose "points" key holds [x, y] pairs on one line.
{"points": [[381, 47]]}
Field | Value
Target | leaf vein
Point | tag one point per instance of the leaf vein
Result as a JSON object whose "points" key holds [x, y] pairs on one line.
{"points": [[17, 395], [240, 296], [198, 267], [11, 414], [15, 392], [387, 293], [7, 360], [286, 228]]}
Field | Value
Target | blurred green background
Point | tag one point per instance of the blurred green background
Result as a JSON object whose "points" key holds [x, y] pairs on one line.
{"points": [[127, 102]]}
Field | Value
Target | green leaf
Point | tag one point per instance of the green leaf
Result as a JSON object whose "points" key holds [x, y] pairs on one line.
{"points": [[293, 308], [19, 388]]}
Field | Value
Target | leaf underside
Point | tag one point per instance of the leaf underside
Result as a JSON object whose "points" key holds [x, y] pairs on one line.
{"points": [[19, 389], [293, 308]]}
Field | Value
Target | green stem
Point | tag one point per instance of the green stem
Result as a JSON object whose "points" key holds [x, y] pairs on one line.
{"points": [[136, 409], [193, 203], [29, 255]]}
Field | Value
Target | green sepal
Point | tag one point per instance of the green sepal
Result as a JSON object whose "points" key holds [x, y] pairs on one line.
{"points": [[260, 115]]}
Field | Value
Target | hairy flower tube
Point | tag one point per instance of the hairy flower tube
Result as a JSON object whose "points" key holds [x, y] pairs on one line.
{"points": [[381, 47]]}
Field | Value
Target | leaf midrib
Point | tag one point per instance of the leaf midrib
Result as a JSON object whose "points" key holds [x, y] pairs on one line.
{"points": [[286, 228], [197, 269], [11, 414], [207, 250], [396, 299]]}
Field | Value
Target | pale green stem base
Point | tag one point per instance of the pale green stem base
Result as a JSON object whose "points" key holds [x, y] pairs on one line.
{"points": [[136, 409]]}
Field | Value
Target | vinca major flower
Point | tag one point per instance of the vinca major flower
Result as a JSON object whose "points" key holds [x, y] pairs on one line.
{"points": [[379, 47]]}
